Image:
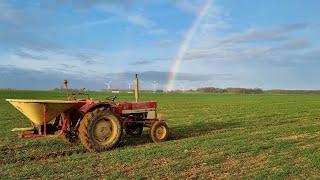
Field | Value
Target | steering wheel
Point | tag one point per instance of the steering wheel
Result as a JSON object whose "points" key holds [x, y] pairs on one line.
{"points": [[111, 98]]}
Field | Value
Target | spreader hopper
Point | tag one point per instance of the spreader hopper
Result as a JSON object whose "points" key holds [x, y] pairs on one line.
{"points": [[40, 111]]}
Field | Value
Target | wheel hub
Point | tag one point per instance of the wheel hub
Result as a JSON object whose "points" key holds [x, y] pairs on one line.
{"points": [[103, 130], [161, 132]]}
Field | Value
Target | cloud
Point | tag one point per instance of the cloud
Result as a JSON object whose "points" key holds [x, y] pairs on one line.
{"points": [[142, 62], [295, 44], [164, 42], [91, 62], [92, 23], [161, 77], [212, 26], [27, 41], [126, 9], [233, 54], [10, 38], [252, 44], [13, 77], [85, 4], [15, 17], [86, 57], [19, 29], [255, 35], [196, 54], [30, 55], [296, 26], [158, 31], [138, 19], [190, 6], [155, 62], [305, 57], [266, 34], [67, 66]]}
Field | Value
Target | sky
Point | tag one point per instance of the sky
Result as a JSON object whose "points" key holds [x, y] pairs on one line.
{"points": [[267, 44]]}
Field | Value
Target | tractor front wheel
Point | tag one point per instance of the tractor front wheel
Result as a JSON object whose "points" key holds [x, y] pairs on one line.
{"points": [[100, 130], [159, 131]]}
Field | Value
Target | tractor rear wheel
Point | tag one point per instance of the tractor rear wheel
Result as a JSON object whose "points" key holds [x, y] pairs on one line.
{"points": [[134, 130], [100, 130], [159, 131]]}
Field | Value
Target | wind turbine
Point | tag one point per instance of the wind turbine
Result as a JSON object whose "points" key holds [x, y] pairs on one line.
{"points": [[182, 87], [154, 86], [129, 87], [108, 84]]}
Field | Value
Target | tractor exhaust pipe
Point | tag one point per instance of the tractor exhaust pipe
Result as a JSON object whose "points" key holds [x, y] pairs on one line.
{"points": [[65, 82], [136, 88]]}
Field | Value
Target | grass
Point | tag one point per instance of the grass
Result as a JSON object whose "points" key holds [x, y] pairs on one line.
{"points": [[213, 135]]}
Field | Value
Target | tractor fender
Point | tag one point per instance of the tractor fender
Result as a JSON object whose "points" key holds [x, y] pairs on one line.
{"points": [[90, 107]]}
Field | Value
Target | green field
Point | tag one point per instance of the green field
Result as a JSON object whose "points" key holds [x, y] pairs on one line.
{"points": [[213, 136]]}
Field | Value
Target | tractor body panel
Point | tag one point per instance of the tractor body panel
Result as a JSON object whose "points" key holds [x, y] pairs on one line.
{"points": [[121, 108], [137, 107]]}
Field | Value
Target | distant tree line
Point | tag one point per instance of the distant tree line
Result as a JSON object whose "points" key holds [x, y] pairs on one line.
{"points": [[7, 89], [280, 91], [230, 90]]}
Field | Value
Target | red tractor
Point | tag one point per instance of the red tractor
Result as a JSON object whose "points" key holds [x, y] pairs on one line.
{"points": [[99, 125]]}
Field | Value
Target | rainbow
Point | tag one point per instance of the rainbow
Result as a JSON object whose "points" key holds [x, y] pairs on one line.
{"points": [[185, 44]]}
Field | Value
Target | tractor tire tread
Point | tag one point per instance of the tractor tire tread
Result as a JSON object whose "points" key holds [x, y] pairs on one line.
{"points": [[152, 131], [84, 135]]}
